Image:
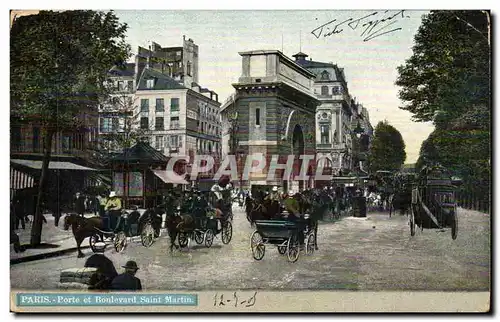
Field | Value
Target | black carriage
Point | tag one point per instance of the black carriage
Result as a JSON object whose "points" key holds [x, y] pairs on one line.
{"points": [[284, 234], [433, 204], [205, 227], [134, 223]]}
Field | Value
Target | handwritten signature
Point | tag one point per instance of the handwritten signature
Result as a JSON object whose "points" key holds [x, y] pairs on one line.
{"points": [[370, 29], [234, 299]]}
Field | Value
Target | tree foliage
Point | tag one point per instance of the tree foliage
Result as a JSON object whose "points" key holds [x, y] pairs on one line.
{"points": [[388, 148], [59, 63], [450, 66]]}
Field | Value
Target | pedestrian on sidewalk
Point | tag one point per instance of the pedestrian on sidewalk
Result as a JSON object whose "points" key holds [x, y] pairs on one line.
{"points": [[79, 204], [127, 280]]}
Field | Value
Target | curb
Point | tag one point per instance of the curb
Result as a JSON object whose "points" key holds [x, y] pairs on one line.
{"points": [[45, 255]]}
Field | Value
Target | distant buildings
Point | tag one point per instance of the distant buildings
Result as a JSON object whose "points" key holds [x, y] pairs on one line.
{"points": [[296, 107], [336, 117], [158, 100]]}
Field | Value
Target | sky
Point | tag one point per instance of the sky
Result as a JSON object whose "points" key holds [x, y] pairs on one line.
{"points": [[370, 66]]}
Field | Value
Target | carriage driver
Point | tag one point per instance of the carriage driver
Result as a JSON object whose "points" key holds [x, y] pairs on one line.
{"points": [[113, 209], [274, 195]]}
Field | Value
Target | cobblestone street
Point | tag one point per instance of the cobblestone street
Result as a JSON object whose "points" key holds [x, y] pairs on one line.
{"points": [[373, 253]]}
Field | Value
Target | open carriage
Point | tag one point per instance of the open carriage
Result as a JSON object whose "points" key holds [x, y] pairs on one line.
{"points": [[134, 225], [433, 203], [283, 234]]}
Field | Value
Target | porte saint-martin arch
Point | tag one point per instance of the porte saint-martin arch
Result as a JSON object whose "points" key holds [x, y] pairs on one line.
{"points": [[274, 111]]}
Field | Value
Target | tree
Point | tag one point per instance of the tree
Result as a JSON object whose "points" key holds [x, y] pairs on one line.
{"points": [[59, 64], [450, 66], [447, 81], [388, 148]]}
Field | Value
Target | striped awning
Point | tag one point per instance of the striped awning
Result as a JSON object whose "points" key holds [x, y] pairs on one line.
{"points": [[53, 165], [20, 180]]}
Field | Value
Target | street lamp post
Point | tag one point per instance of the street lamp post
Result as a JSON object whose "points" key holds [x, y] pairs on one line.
{"points": [[359, 132]]}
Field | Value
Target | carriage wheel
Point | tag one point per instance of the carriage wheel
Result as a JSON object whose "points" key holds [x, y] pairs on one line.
{"points": [[120, 241], [293, 248], [412, 222], [282, 250], [198, 237], [257, 245], [227, 232], [310, 244], [183, 239], [209, 238], [94, 239], [454, 225], [147, 235]]}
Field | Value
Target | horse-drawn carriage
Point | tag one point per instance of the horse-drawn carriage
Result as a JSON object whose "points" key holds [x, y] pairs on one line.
{"points": [[134, 224], [285, 235], [433, 203], [205, 225]]}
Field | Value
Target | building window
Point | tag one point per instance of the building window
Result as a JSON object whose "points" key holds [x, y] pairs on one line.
{"points": [[36, 139], [144, 105], [160, 105], [115, 124], [188, 68], [66, 143], [174, 141], [159, 142], [324, 90], [325, 75], [150, 83], [119, 85], [325, 137], [174, 105], [337, 90], [121, 126], [159, 124], [106, 124], [174, 123], [130, 86], [15, 137], [144, 123], [257, 116]]}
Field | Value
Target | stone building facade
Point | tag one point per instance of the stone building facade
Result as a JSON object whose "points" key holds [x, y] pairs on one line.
{"points": [[274, 108]]}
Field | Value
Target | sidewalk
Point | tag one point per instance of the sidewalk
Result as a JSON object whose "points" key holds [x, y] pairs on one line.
{"points": [[55, 240]]}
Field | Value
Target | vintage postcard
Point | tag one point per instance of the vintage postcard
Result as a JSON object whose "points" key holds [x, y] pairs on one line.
{"points": [[250, 161]]}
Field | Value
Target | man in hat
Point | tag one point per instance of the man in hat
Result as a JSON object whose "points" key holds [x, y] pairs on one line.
{"points": [[127, 280], [274, 195], [113, 208]]}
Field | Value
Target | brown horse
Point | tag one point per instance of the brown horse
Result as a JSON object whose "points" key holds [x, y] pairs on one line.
{"points": [[83, 228]]}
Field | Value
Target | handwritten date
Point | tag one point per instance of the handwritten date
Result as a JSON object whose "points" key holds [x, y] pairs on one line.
{"points": [[234, 300], [370, 28]]}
